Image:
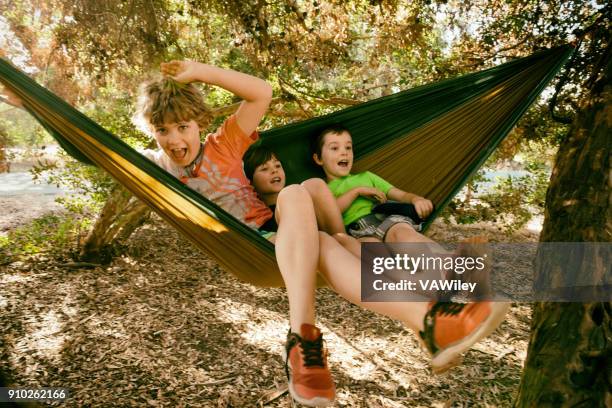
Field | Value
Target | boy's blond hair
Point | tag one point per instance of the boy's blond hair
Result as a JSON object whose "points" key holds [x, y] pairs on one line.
{"points": [[167, 101]]}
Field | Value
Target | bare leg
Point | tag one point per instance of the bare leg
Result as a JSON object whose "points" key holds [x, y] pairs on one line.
{"points": [[471, 247], [297, 252], [341, 270], [446, 339], [403, 232], [329, 217], [351, 244]]}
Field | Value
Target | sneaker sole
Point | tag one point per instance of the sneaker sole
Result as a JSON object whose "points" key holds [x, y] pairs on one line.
{"points": [[445, 359], [441, 369], [313, 402], [444, 369]]}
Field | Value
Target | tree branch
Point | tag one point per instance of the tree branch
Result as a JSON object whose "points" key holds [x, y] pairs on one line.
{"points": [[325, 101], [127, 18], [297, 100], [5, 100], [229, 109], [498, 53], [566, 120]]}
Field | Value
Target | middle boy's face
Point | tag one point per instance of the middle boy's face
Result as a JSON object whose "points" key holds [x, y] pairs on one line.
{"points": [[269, 177], [180, 141]]}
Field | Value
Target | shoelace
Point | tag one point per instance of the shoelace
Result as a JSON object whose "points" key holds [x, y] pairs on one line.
{"points": [[313, 352], [429, 322], [311, 349], [447, 308]]}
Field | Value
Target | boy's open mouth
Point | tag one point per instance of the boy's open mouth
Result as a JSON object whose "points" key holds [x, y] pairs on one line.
{"points": [[179, 153], [275, 180], [343, 163]]}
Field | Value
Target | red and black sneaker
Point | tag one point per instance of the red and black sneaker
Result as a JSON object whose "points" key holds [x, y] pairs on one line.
{"points": [[449, 329], [310, 381]]}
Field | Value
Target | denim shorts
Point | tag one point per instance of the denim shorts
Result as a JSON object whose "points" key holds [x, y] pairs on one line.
{"points": [[377, 225]]}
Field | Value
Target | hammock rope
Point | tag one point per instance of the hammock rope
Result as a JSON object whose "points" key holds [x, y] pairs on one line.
{"points": [[428, 140]]}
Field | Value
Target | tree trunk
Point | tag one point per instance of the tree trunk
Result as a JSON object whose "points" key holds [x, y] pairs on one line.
{"points": [[4, 164], [121, 215], [569, 360]]}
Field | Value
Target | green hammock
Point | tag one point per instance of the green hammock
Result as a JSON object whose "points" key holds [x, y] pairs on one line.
{"points": [[428, 140]]}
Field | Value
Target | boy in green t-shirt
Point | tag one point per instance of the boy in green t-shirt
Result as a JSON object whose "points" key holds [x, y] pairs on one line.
{"points": [[358, 194]]}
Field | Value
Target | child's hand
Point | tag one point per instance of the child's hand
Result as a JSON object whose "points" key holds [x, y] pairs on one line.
{"points": [[373, 194], [423, 206], [181, 71]]}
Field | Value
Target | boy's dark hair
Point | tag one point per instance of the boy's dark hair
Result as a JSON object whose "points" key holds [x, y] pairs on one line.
{"points": [[255, 156], [317, 142]]}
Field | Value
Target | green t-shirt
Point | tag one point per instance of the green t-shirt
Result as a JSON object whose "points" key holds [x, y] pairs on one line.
{"points": [[361, 206]]}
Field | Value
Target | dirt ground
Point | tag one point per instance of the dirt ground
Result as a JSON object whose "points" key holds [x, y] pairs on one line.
{"points": [[16, 213], [22, 200], [163, 325]]}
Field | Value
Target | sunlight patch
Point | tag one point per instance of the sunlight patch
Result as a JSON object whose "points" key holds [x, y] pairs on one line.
{"points": [[268, 335], [232, 312], [356, 360], [262, 328], [535, 224], [15, 278], [359, 359], [45, 340], [105, 327]]}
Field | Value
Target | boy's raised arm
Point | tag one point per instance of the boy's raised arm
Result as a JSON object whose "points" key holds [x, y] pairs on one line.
{"points": [[255, 92]]}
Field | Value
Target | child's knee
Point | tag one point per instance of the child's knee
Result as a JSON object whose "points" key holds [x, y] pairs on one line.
{"points": [[399, 231], [294, 195], [327, 241], [293, 190], [324, 237], [343, 238], [314, 184]]}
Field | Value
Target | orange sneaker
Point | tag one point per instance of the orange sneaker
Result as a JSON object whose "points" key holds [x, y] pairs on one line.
{"points": [[449, 329], [310, 381]]}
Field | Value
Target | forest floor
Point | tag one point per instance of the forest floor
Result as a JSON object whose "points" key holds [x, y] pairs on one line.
{"points": [[163, 325]]}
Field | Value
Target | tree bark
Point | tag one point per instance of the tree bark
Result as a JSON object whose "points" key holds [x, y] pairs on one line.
{"points": [[4, 164], [121, 215], [569, 360]]}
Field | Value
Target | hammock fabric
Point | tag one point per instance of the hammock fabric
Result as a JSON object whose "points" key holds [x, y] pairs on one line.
{"points": [[428, 140]]}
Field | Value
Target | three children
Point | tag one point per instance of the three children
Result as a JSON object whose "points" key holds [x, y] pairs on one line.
{"points": [[447, 329], [173, 111]]}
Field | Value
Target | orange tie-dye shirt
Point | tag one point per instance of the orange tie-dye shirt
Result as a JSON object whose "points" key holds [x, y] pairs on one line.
{"points": [[219, 175]]}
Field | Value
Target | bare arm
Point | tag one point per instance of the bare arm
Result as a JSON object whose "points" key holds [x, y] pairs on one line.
{"points": [[255, 92], [345, 200], [423, 206]]}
